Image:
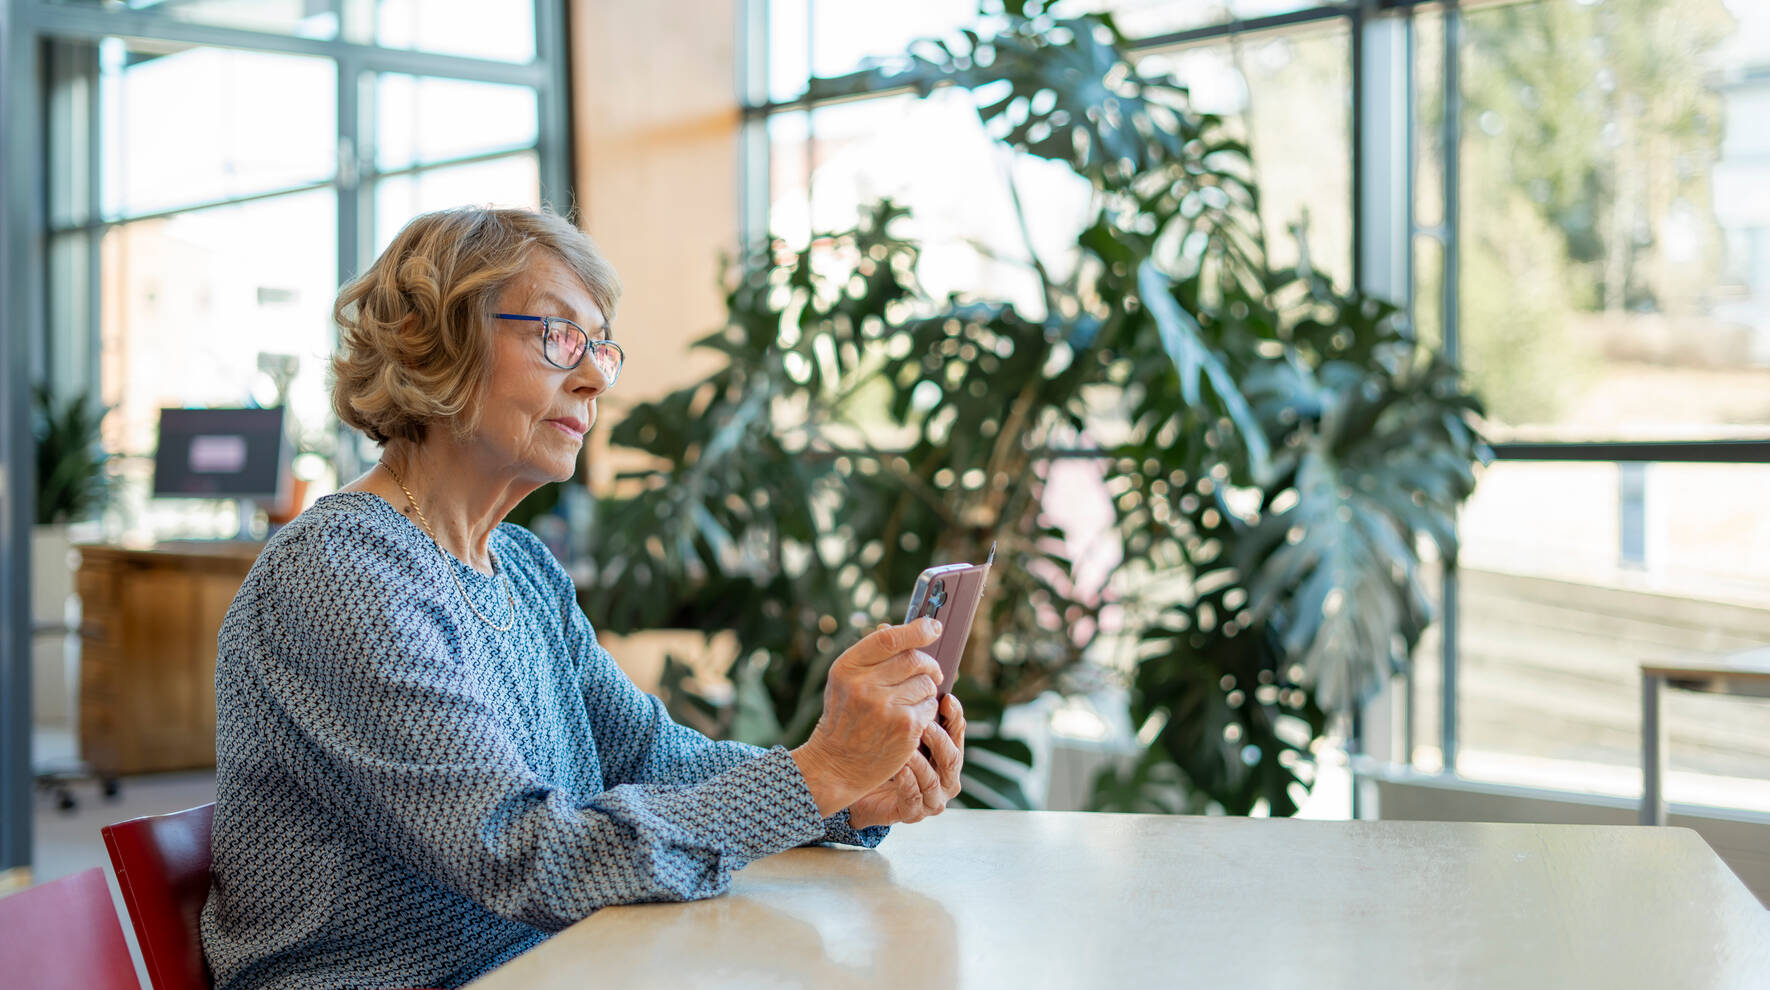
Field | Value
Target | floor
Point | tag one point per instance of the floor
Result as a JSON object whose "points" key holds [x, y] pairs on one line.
{"points": [[66, 842]]}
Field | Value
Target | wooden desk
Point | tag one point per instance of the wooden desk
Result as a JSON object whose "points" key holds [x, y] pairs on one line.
{"points": [[1069, 899], [1746, 674], [149, 619]]}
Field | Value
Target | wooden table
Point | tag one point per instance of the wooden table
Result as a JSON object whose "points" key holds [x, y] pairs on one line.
{"points": [[1069, 899], [1746, 674], [147, 651]]}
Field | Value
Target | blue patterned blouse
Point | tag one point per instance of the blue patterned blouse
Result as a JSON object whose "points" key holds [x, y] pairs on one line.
{"points": [[407, 797]]}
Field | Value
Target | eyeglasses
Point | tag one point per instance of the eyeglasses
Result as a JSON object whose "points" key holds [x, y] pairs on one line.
{"points": [[564, 344]]}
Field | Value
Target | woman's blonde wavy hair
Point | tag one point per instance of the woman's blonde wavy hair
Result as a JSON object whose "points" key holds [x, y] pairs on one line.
{"points": [[414, 339]]}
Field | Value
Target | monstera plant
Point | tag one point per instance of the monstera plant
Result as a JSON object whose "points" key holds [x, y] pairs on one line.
{"points": [[1278, 452]]}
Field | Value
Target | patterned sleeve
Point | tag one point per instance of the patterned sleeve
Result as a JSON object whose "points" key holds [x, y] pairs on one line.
{"points": [[640, 744], [372, 709]]}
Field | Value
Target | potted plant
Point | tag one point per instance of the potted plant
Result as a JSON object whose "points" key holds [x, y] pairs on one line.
{"points": [[1280, 452], [73, 486]]}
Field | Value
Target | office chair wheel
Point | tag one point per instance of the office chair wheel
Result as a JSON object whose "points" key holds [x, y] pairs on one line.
{"points": [[64, 800], [111, 787]]}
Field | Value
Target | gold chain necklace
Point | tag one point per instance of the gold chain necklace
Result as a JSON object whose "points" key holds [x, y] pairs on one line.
{"points": [[508, 595]]}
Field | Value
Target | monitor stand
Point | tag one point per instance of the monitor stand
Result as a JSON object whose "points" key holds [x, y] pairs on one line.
{"points": [[249, 526]]}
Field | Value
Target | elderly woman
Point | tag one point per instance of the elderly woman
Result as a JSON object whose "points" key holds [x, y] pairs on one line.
{"points": [[425, 761]]}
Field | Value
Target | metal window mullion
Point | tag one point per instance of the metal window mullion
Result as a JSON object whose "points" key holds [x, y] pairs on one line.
{"points": [[1355, 43], [810, 126], [354, 203], [1749, 451], [554, 144], [15, 475], [1178, 39], [1451, 145], [366, 172], [95, 242], [1410, 179], [754, 192], [94, 23]]}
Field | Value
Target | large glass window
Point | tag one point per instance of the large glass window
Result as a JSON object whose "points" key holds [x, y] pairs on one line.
{"points": [[186, 125], [1610, 157], [1590, 236], [1289, 95], [207, 199], [1611, 160], [422, 120], [303, 18]]}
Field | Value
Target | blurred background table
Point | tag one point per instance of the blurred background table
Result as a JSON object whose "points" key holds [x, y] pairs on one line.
{"points": [[1053, 899], [150, 617], [1744, 674]]}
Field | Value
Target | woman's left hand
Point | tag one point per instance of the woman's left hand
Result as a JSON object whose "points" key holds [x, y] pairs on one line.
{"points": [[925, 784]]}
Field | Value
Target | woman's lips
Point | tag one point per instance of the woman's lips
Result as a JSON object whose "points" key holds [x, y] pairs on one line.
{"points": [[572, 427]]}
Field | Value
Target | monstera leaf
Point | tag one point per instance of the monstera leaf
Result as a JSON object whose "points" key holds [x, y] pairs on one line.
{"points": [[1280, 453], [1377, 453]]}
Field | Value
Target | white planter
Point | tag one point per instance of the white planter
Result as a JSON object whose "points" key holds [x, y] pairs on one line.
{"points": [[53, 655]]}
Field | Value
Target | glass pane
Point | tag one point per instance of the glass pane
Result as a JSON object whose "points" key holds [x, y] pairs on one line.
{"points": [[789, 190], [1615, 277], [492, 29], [191, 300], [1428, 118], [513, 180], [1428, 312], [1291, 95], [422, 119], [933, 156], [1571, 575], [301, 18], [1148, 18], [1427, 675], [788, 49], [845, 33], [195, 125]]}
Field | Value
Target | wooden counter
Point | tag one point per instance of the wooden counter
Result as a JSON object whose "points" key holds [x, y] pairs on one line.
{"points": [[1053, 899], [149, 620]]}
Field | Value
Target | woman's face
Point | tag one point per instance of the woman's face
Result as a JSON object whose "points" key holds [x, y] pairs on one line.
{"points": [[533, 416]]}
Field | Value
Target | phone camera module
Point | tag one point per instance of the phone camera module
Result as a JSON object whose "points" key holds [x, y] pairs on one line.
{"points": [[937, 597]]}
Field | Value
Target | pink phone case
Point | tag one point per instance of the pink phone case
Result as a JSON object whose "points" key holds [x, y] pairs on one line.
{"points": [[959, 587]]}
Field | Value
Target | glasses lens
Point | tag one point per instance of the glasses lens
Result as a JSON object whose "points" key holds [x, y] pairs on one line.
{"points": [[563, 342], [606, 355]]}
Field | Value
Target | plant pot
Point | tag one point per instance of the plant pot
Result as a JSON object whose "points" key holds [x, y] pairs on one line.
{"points": [[52, 611]]}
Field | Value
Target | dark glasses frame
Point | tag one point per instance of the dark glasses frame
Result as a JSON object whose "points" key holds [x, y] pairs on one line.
{"points": [[608, 356]]}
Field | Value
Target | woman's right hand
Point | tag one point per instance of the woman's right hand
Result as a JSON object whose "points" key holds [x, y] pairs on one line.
{"points": [[880, 696]]}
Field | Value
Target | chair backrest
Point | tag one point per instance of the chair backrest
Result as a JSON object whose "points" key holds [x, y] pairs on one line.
{"points": [[64, 934], [162, 865]]}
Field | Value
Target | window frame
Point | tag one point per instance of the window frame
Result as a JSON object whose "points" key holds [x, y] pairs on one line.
{"points": [[1385, 135], [41, 135]]}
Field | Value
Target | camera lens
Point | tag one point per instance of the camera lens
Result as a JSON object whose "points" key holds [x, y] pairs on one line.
{"points": [[937, 596]]}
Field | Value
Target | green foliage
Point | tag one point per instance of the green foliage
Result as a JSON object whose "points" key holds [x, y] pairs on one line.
{"points": [[1591, 113], [72, 481], [1586, 130], [536, 504], [1280, 451]]}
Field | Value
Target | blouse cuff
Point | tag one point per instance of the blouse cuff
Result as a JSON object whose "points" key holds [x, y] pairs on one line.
{"points": [[837, 828]]}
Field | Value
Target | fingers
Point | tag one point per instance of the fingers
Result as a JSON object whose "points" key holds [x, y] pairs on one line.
{"points": [[909, 797], [952, 718], [908, 666], [944, 754], [930, 793], [886, 643], [949, 750]]}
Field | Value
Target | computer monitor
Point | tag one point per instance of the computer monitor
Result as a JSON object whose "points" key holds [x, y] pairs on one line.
{"points": [[221, 453]]}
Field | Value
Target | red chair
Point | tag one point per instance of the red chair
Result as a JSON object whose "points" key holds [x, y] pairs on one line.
{"points": [[162, 865], [64, 935]]}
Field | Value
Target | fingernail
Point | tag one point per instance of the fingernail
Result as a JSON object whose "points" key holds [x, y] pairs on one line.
{"points": [[934, 626]]}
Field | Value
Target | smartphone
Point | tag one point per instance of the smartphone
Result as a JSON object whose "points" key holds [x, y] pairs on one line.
{"points": [[950, 593]]}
